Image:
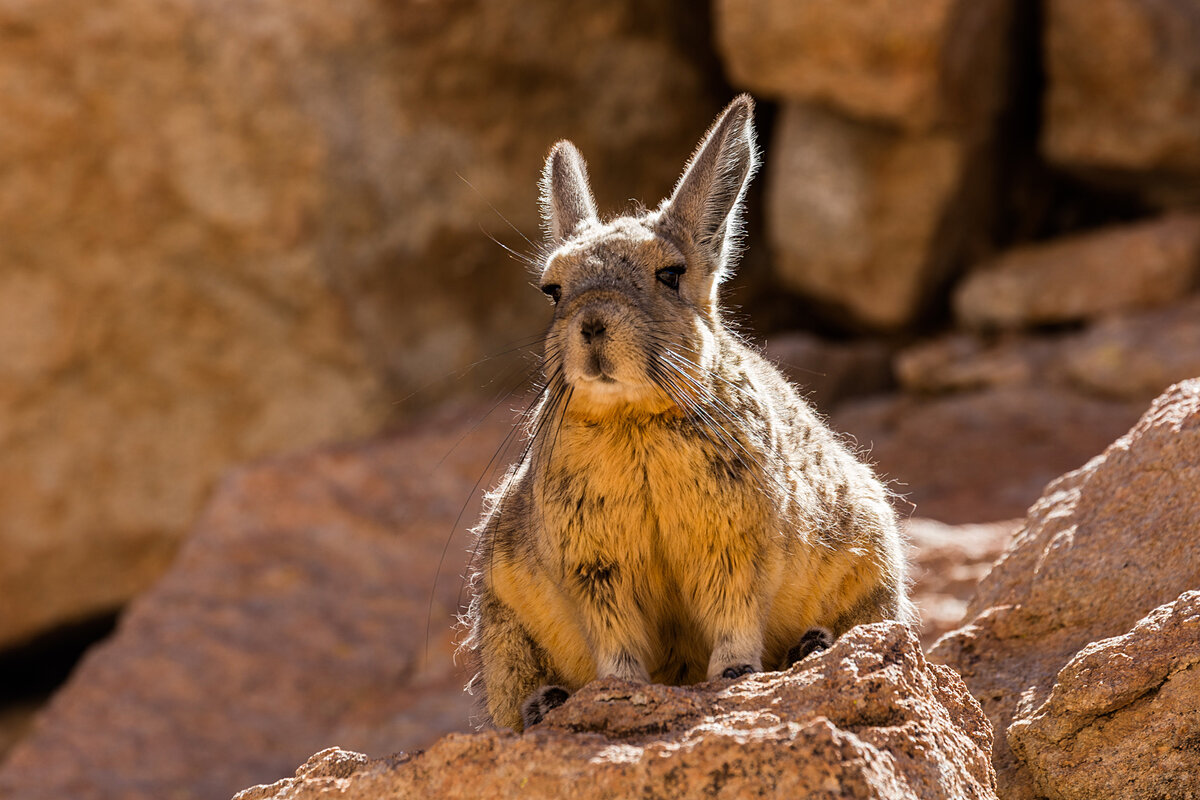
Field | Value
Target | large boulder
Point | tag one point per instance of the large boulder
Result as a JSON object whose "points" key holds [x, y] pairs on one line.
{"points": [[1124, 89], [864, 219], [1104, 547], [231, 229], [980, 456], [1081, 277], [914, 65], [1126, 707], [295, 617], [869, 718]]}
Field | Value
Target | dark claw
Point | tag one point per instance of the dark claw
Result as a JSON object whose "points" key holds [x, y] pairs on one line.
{"points": [[534, 709], [738, 671], [814, 640]]}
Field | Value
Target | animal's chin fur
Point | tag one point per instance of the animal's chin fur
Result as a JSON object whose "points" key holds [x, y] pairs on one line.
{"points": [[597, 400]]}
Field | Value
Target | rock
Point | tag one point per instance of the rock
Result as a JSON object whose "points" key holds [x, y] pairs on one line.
{"points": [[1081, 277], [1136, 356], [916, 66], [868, 718], [1123, 86], [863, 219], [831, 372], [1125, 707], [962, 361], [232, 229], [294, 618], [1103, 547], [980, 456], [948, 561]]}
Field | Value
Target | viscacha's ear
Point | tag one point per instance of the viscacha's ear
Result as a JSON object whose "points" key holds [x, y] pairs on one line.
{"points": [[566, 197], [706, 208]]}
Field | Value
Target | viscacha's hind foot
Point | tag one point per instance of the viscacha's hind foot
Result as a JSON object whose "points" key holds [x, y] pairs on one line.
{"points": [[814, 640], [538, 704]]}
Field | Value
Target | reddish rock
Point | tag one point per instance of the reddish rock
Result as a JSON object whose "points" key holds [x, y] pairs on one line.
{"points": [[1103, 547], [981, 456], [1081, 277], [867, 719], [948, 561], [864, 219], [965, 362], [294, 618], [1136, 356], [234, 229], [1126, 708], [829, 373], [913, 65], [1123, 86]]}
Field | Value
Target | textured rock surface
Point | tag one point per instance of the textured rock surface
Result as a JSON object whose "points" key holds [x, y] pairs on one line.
{"points": [[216, 216], [294, 618], [1081, 277], [981, 456], [1124, 85], [914, 65], [829, 373], [868, 718], [948, 561], [1126, 708], [1104, 546], [862, 218]]}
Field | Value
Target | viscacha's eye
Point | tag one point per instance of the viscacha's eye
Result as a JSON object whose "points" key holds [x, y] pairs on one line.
{"points": [[669, 276], [553, 291]]}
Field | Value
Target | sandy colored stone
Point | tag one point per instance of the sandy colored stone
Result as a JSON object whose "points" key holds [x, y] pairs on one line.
{"points": [[961, 361], [234, 229], [868, 718], [294, 618], [829, 373], [1103, 547], [861, 218], [913, 65], [947, 563], [1121, 720], [980, 456], [1123, 85], [1136, 356], [1081, 277]]}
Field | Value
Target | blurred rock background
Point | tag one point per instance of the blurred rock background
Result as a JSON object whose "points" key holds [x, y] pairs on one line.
{"points": [[233, 231]]}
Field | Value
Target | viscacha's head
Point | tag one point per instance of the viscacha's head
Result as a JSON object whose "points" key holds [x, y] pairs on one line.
{"points": [[635, 298]]}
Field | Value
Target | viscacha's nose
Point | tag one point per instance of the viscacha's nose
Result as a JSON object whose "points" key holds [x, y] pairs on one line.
{"points": [[592, 329]]}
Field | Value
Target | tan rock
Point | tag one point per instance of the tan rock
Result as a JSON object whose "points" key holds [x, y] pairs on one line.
{"points": [[294, 618], [1124, 85], [948, 561], [828, 372], [868, 718], [964, 362], [980, 456], [235, 229], [861, 218], [1126, 708], [914, 65], [1136, 356], [1084, 276], [1104, 546]]}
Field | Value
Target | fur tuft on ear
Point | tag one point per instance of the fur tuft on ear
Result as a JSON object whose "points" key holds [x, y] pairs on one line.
{"points": [[566, 197], [706, 208]]}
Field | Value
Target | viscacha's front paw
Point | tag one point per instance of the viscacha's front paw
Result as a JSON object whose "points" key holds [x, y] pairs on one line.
{"points": [[538, 704], [737, 671], [813, 640]]}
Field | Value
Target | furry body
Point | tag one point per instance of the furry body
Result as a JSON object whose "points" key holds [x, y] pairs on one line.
{"points": [[680, 511]]}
